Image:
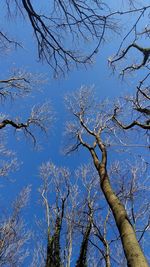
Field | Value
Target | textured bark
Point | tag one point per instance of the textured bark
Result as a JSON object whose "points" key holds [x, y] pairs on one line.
{"points": [[53, 247], [132, 249], [82, 261], [133, 252], [53, 257], [107, 257]]}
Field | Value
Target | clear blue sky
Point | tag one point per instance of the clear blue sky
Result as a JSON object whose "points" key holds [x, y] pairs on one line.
{"points": [[106, 84]]}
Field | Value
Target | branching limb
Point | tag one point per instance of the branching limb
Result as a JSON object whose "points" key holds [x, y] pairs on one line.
{"points": [[6, 42], [40, 117], [80, 20], [145, 229], [19, 84], [145, 126], [144, 51]]}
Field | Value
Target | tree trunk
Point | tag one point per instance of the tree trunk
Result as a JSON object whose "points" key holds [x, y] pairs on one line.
{"points": [[82, 261], [133, 252], [107, 257], [53, 258]]}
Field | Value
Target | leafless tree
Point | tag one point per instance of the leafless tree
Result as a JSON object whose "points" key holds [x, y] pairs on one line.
{"points": [[20, 83], [63, 199], [132, 188], [40, 116], [55, 181], [138, 106], [80, 21], [83, 23], [8, 160], [13, 233], [133, 41], [88, 225], [92, 125]]}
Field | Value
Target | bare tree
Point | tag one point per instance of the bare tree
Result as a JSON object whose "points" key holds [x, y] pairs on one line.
{"points": [[8, 160], [136, 57], [137, 110], [132, 188], [83, 23], [132, 39], [40, 116], [13, 233], [54, 177], [69, 213], [89, 181], [80, 21], [20, 83], [145, 53], [84, 224], [89, 131]]}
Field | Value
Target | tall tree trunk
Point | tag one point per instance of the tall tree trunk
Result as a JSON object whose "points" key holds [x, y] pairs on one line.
{"points": [[132, 249], [53, 247], [69, 245], [82, 261], [133, 252], [107, 256]]}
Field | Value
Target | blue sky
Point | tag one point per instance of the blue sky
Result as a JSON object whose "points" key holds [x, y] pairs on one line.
{"points": [[107, 85]]}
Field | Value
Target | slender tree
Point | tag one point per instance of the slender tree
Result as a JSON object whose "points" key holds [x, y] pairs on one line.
{"points": [[85, 128], [13, 233]]}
